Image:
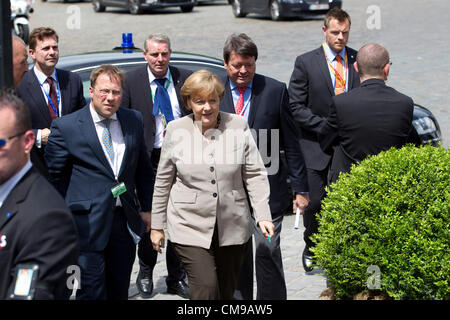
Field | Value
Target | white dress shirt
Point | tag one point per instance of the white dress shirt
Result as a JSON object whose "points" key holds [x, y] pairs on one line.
{"points": [[173, 101]]}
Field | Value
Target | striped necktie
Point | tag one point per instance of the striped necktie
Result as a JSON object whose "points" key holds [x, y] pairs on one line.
{"points": [[339, 85], [106, 139]]}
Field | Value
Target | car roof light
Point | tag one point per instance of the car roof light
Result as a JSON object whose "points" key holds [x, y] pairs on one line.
{"points": [[127, 45]]}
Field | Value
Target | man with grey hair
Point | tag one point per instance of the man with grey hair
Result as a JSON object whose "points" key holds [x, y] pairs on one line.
{"points": [[154, 90], [368, 119]]}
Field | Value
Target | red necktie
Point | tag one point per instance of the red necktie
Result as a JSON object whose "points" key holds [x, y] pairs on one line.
{"points": [[240, 102], [339, 85], [54, 99]]}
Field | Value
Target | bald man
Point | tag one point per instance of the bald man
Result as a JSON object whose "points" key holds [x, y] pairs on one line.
{"points": [[368, 119], [20, 56]]}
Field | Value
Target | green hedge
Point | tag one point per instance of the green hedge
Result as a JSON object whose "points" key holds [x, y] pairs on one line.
{"points": [[392, 211]]}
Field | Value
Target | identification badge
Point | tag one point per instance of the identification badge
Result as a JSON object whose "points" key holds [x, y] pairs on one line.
{"points": [[25, 282], [118, 190]]}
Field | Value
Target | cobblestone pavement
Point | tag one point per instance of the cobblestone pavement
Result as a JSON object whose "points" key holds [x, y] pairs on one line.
{"points": [[300, 284], [414, 31]]}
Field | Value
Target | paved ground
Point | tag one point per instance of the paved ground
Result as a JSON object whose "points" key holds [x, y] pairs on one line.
{"points": [[414, 31], [300, 285]]}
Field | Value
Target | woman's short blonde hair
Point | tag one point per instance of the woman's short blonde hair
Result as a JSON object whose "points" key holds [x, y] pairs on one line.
{"points": [[201, 83]]}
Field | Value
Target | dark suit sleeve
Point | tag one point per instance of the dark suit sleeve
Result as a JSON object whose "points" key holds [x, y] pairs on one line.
{"points": [[298, 98], [80, 92], [52, 243], [292, 149], [57, 157], [328, 135], [125, 102], [145, 176]]}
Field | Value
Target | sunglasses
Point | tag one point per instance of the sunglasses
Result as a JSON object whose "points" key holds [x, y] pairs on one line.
{"points": [[4, 141]]}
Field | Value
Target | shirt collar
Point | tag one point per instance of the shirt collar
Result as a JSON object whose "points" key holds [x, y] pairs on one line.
{"points": [[152, 77], [234, 86], [98, 118], [331, 54], [42, 77], [6, 187]]}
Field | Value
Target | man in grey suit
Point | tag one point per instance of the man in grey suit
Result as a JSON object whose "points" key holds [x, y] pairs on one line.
{"points": [[319, 75], [154, 90]]}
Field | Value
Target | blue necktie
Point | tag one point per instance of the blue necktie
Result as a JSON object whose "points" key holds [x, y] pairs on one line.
{"points": [[162, 101]]}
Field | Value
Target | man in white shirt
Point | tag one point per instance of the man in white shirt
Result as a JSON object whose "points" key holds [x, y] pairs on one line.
{"points": [[319, 75], [98, 161], [154, 90], [48, 92]]}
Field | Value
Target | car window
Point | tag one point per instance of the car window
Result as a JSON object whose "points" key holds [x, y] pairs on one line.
{"points": [[85, 73]]}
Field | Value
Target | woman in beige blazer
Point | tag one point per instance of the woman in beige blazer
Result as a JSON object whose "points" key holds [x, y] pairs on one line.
{"points": [[209, 164]]}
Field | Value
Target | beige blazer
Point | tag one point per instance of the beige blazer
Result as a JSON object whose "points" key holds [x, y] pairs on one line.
{"points": [[201, 179]]}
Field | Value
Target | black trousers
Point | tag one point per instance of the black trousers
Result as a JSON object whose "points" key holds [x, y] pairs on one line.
{"points": [[106, 274], [148, 256], [212, 272], [270, 281], [317, 180]]}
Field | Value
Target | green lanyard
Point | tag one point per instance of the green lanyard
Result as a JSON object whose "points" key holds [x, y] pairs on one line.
{"points": [[167, 87]]}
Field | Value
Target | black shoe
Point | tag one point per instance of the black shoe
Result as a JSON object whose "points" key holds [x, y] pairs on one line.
{"points": [[307, 260], [179, 288], [144, 284]]}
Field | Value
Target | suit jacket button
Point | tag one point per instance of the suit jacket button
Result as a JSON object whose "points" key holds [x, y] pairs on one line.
{"points": [[213, 181], [211, 169], [215, 195]]}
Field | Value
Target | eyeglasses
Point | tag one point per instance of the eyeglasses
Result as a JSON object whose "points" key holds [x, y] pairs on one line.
{"points": [[4, 141], [106, 92]]}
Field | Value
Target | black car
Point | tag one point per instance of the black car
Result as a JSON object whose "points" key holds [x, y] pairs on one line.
{"points": [[138, 6], [279, 9], [424, 121]]}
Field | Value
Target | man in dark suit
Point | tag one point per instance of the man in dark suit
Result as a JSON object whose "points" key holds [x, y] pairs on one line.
{"points": [[264, 103], [319, 75], [48, 92], [36, 228], [368, 119], [97, 159], [143, 89]]}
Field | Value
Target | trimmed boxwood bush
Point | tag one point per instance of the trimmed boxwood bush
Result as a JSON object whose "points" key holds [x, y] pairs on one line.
{"points": [[391, 211]]}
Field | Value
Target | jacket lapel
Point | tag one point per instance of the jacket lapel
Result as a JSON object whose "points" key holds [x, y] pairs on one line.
{"points": [[351, 70], [64, 91], [87, 128], [257, 87], [35, 91], [323, 67], [17, 195], [128, 137], [227, 104]]}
